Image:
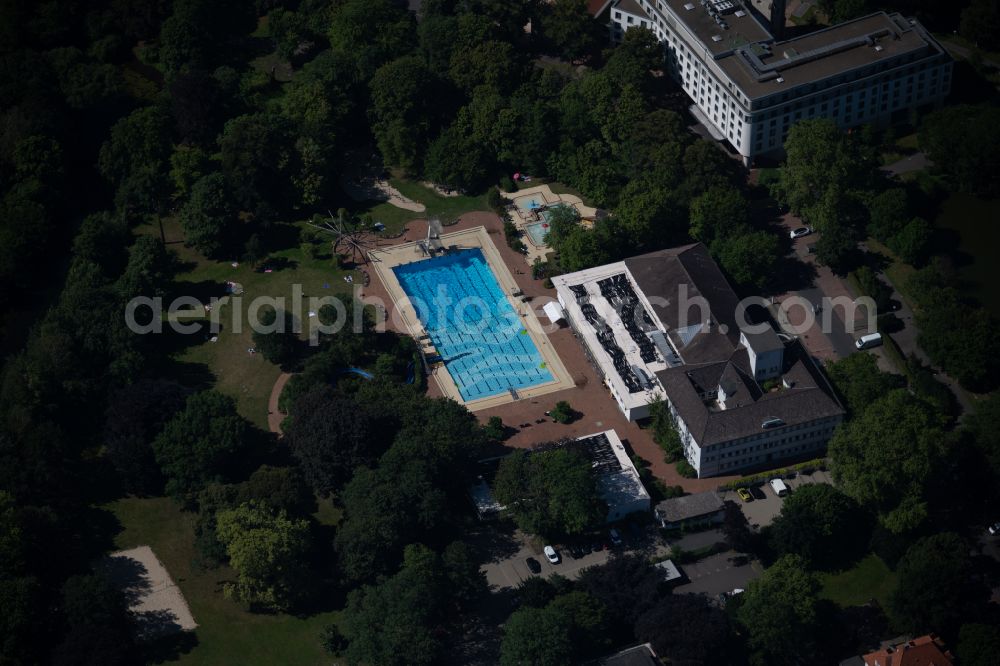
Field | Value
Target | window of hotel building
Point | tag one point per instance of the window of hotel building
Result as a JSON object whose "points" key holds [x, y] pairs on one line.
{"points": [[631, 20]]}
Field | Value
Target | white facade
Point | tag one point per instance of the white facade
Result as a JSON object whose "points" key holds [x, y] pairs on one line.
{"points": [[876, 84]]}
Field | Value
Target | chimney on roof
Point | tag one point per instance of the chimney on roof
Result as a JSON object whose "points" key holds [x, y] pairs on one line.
{"points": [[778, 18]]}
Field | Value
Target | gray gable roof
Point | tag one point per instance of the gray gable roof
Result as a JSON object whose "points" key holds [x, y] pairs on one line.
{"points": [[687, 507], [807, 399], [710, 300]]}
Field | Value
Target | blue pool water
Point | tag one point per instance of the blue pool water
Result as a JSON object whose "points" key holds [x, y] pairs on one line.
{"points": [[538, 231], [472, 325]]}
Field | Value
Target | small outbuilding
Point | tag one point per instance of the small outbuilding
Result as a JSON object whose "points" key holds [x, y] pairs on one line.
{"points": [[698, 509]]}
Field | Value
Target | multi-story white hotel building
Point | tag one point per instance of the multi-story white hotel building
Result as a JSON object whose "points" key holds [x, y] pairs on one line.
{"points": [[668, 325], [749, 88]]}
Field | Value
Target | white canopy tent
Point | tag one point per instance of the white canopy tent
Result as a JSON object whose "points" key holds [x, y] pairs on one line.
{"points": [[554, 311]]}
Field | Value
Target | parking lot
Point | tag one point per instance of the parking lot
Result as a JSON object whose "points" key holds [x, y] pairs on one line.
{"points": [[509, 571], [714, 574], [765, 506]]}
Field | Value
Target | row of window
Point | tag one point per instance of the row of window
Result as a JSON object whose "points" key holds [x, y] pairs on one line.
{"points": [[810, 440]]}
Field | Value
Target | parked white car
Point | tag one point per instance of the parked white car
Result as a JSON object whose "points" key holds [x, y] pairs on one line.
{"points": [[799, 232], [551, 554]]}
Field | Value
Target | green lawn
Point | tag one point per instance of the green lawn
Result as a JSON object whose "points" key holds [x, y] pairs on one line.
{"points": [[226, 364], [226, 633], [870, 578], [446, 208], [902, 147]]}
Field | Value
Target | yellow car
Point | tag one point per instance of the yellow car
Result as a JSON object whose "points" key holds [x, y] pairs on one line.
{"points": [[744, 494]]}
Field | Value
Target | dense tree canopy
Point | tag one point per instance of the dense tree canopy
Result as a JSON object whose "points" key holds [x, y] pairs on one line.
{"points": [[884, 457], [937, 586], [963, 140], [550, 492], [201, 443], [330, 436], [779, 612], [398, 621], [822, 525], [689, 630], [267, 550]]}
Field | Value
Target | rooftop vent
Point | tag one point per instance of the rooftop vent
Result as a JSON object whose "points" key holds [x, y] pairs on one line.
{"points": [[689, 6], [780, 79], [771, 423], [716, 38], [878, 47], [740, 13]]}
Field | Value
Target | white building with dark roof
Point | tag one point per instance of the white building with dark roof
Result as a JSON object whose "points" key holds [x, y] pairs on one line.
{"points": [[748, 86], [665, 324]]}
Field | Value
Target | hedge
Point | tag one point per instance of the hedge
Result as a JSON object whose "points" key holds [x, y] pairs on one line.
{"points": [[764, 477]]}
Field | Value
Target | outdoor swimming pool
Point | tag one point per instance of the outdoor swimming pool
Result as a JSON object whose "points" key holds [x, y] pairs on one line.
{"points": [[529, 205], [473, 327], [537, 231]]}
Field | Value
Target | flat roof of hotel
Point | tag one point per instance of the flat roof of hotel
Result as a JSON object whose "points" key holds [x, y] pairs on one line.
{"points": [[812, 57], [744, 29], [826, 53]]}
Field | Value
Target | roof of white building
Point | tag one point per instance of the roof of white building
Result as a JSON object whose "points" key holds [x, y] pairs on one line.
{"points": [[680, 301], [617, 478]]}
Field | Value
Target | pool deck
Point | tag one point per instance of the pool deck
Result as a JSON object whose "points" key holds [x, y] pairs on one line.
{"points": [[384, 260], [543, 194], [526, 418]]}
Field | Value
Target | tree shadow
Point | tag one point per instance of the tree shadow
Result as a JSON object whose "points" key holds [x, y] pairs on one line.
{"points": [[283, 236], [969, 85], [170, 648], [97, 536], [275, 264], [792, 274], [493, 542]]}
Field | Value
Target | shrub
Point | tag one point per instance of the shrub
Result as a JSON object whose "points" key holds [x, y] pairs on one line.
{"points": [[496, 200], [507, 184], [685, 469], [763, 477], [562, 412], [547, 283], [494, 429]]}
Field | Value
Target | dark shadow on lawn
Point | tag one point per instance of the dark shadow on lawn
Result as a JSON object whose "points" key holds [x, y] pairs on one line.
{"points": [[170, 648]]}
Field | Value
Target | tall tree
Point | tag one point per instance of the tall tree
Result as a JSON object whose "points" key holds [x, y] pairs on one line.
{"points": [[330, 436], [406, 98], [135, 415], [688, 630], [822, 525], [749, 259], [209, 217], [549, 492], [779, 612], [717, 214], [570, 29], [397, 621], [99, 627], [884, 457], [859, 381], [937, 587], [268, 551], [200, 444], [371, 32]]}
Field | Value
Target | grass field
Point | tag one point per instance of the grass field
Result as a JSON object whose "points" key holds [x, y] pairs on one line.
{"points": [[230, 368], [446, 208], [870, 578], [226, 633], [903, 147]]}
